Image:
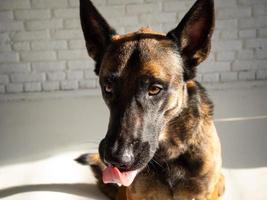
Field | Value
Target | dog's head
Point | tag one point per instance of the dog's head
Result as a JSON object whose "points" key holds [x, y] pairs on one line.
{"points": [[143, 79]]}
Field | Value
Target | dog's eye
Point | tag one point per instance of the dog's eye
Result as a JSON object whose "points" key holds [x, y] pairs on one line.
{"points": [[108, 88], [154, 89]]}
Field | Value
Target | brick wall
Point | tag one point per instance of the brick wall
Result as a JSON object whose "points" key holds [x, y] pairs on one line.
{"points": [[42, 47]]}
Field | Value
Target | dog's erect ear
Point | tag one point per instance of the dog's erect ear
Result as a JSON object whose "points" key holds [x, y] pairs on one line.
{"points": [[97, 32], [193, 35]]}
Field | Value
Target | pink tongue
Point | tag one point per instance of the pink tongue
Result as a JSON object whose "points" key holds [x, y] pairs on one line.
{"points": [[113, 175]]}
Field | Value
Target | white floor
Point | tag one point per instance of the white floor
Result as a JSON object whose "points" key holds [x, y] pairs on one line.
{"points": [[40, 138], [61, 178]]}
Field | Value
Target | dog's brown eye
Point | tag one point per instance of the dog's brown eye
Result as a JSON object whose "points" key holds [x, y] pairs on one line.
{"points": [[154, 90], [108, 88]]}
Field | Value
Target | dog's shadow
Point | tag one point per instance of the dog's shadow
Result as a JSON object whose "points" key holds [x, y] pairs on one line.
{"points": [[79, 189]]}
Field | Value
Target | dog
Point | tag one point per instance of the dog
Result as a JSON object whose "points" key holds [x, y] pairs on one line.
{"points": [[161, 142]]}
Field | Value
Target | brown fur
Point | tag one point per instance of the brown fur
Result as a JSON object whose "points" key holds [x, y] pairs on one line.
{"points": [[179, 155]]}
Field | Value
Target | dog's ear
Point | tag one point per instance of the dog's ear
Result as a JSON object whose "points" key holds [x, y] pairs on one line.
{"points": [[96, 30], [193, 35]]}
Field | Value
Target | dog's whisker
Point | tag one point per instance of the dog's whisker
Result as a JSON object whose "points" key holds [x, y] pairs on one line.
{"points": [[157, 163]]}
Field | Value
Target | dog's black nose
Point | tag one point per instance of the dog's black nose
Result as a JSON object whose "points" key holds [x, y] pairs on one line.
{"points": [[121, 160]]}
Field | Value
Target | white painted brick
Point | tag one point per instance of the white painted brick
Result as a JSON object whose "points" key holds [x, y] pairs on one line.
{"points": [[27, 77], [210, 78], [256, 43], [123, 21], [56, 76], [233, 13], [80, 64], [229, 76], [166, 27], [67, 34], [49, 3], [72, 23], [259, 10], [142, 8], [75, 75], [50, 86], [100, 2], [244, 65], [69, 85], [14, 88], [87, 84], [11, 26], [129, 29], [2, 89], [225, 3], [4, 79], [227, 24], [261, 54], [214, 67], [216, 35], [251, 2], [6, 15], [66, 13], [210, 58], [246, 76], [4, 38], [74, 3], [32, 87], [5, 47], [263, 32], [32, 14], [112, 2], [111, 11], [199, 77], [250, 33], [77, 44], [170, 18], [14, 68], [21, 46], [59, 53], [38, 56], [48, 66], [261, 64], [225, 55], [13, 4], [44, 24], [246, 54], [32, 35], [174, 6], [72, 54], [8, 57], [227, 45], [229, 34], [121, 30], [51, 45], [261, 75], [89, 74], [256, 22]]}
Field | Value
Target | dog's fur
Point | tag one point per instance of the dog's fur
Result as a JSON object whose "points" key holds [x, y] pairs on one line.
{"points": [[158, 112]]}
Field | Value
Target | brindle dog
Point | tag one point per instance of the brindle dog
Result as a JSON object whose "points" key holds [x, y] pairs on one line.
{"points": [[161, 119]]}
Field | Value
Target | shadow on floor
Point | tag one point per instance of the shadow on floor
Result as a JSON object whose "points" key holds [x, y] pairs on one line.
{"points": [[79, 189]]}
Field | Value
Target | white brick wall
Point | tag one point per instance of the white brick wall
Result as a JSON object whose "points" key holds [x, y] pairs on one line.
{"points": [[42, 46]]}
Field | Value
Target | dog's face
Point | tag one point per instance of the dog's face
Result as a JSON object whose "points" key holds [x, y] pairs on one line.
{"points": [[143, 79]]}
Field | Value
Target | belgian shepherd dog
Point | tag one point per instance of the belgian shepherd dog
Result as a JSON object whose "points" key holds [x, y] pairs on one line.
{"points": [[161, 142]]}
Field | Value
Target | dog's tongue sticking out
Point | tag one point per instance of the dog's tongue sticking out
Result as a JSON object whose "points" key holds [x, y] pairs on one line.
{"points": [[113, 175]]}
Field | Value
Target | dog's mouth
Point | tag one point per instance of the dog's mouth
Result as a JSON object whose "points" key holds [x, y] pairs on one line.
{"points": [[112, 174]]}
